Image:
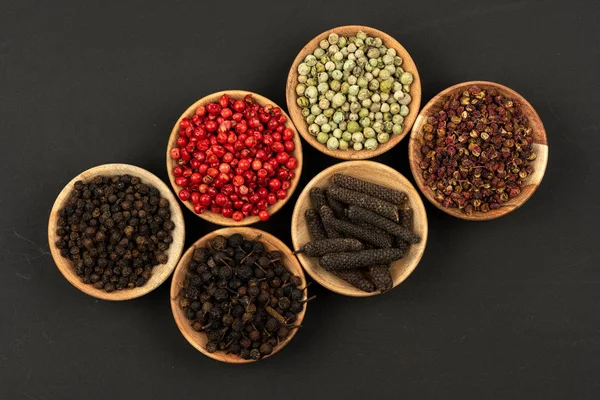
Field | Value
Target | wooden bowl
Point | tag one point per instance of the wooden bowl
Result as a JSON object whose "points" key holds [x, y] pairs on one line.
{"points": [[236, 95], [160, 273], [296, 112], [540, 147], [373, 172], [199, 339]]}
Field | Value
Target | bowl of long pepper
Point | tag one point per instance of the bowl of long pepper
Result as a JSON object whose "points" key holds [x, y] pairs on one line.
{"points": [[353, 92], [238, 295], [359, 228], [478, 150], [234, 158]]}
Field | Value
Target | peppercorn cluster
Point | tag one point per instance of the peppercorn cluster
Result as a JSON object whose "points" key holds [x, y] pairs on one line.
{"points": [[242, 296], [234, 158], [358, 229], [353, 92], [477, 151], [115, 229]]}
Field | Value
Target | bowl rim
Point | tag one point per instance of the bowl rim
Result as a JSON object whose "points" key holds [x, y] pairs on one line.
{"points": [[308, 263], [208, 215], [540, 141], [351, 154], [65, 266], [179, 275]]}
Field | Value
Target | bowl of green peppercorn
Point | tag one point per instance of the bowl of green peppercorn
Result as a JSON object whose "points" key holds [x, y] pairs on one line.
{"points": [[116, 232], [353, 92], [238, 295]]}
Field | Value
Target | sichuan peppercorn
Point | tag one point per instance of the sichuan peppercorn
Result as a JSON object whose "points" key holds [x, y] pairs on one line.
{"points": [[115, 230], [476, 150]]}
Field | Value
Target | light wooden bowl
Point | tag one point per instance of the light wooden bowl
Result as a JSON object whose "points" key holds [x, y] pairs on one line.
{"points": [[160, 273], [540, 147], [199, 339], [296, 112], [373, 172], [236, 95]]}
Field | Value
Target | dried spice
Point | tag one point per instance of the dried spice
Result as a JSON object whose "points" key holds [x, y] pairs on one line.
{"points": [[477, 151], [406, 217], [241, 296], [339, 209], [356, 278], [358, 259], [115, 230], [317, 196], [359, 214], [329, 222], [386, 194], [381, 277], [358, 232], [315, 226], [319, 248], [375, 204]]}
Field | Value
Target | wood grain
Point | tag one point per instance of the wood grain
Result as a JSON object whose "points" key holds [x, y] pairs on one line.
{"points": [[296, 112], [373, 172], [540, 147], [160, 273], [236, 95], [199, 339]]}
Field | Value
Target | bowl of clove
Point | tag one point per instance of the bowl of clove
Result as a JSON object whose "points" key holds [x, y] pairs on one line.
{"points": [[238, 295], [359, 228]]}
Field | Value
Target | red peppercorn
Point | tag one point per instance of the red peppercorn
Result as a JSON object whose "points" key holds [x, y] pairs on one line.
{"points": [[239, 106], [291, 163], [263, 215], [237, 216], [281, 194], [175, 153], [199, 209], [271, 199], [282, 157], [289, 146], [182, 181], [195, 197], [184, 194], [274, 184], [205, 200], [288, 134], [286, 185], [178, 170]]}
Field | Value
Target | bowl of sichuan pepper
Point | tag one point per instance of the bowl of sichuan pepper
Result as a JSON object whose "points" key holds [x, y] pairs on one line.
{"points": [[353, 92], [234, 158], [116, 232], [238, 295], [478, 150], [359, 228]]}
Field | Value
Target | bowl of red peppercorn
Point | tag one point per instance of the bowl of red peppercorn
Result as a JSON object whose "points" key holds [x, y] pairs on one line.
{"points": [[478, 150], [116, 232], [217, 295], [234, 158]]}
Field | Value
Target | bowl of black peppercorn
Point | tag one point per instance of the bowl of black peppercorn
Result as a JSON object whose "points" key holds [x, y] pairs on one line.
{"points": [[116, 232], [238, 295]]}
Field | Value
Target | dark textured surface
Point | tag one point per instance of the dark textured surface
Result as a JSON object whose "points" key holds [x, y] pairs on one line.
{"points": [[502, 309]]}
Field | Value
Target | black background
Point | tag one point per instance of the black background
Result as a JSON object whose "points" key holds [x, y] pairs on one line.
{"points": [[502, 309]]}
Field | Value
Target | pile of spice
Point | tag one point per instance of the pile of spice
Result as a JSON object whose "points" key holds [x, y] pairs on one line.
{"points": [[115, 229], [242, 296], [477, 151], [358, 229], [234, 158], [353, 92]]}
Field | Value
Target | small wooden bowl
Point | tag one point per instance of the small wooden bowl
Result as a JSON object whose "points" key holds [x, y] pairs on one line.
{"points": [[373, 172], [160, 272], [540, 147], [296, 112], [236, 95], [199, 339]]}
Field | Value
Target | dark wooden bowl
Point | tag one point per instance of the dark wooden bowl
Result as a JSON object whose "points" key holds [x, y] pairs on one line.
{"points": [[540, 147], [296, 112], [236, 95], [160, 273], [199, 339]]}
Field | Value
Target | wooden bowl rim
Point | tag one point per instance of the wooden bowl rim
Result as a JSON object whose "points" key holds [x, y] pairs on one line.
{"points": [[352, 154], [261, 100], [540, 140], [65, 266], [310, 264], [271, 242]]}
